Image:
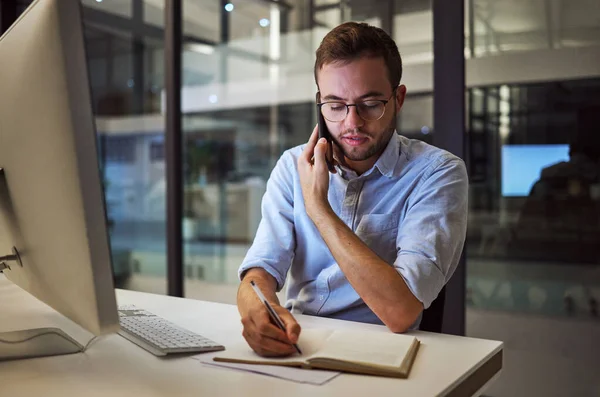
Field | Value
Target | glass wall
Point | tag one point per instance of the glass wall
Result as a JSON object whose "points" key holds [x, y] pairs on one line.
{"points": [[533, 245], [245, 101], [533, 249], [535, 196], [247, 95], [506, 26], [126, 85]]}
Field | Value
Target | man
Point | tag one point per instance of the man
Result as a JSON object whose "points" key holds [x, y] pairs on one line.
{"points": [[374, 241]]}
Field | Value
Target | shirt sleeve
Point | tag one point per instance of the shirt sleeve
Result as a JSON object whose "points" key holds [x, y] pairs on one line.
{"points": [[431, 237], [275, 242]]}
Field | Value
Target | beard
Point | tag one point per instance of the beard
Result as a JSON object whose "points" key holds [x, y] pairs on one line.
{"points": [[378, 145]]}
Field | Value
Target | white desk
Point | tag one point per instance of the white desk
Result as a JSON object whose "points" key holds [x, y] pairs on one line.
{"points": [[113, 366]]}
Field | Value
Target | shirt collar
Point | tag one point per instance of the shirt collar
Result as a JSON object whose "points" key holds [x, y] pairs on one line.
{"points": [[386, 163]]}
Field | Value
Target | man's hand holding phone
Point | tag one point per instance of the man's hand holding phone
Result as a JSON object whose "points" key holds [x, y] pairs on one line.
{"points": [[314, 175]]}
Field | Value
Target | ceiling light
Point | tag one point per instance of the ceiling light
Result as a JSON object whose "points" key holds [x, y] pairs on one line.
{"points": [[229, 7], [264, 22]]}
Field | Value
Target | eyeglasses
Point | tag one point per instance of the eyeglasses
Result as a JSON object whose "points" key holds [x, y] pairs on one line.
{"points": [[370, 110]]}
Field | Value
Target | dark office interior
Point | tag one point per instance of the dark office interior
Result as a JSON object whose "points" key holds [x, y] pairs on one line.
{"points": [[530, 77]]}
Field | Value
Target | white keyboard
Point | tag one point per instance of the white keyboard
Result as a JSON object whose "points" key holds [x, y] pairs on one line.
{"points": [[159, 336]]}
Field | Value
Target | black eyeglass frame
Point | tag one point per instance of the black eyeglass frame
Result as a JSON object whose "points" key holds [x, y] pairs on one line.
{"points": [[384, 101]]}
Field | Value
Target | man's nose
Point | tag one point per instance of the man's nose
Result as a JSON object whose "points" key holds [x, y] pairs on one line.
{"points": [[353, 120]]}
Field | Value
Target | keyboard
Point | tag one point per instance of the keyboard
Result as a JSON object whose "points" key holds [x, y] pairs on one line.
{"points": [[159, 336]]}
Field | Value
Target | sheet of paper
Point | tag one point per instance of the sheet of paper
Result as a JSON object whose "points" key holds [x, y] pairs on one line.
{"points": [[312, 376]]}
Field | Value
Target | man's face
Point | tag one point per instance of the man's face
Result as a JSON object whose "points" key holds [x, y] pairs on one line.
{"points": [[360, 141]]}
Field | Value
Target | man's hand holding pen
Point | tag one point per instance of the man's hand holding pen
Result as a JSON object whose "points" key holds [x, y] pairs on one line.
{"points": [[262, 333]]}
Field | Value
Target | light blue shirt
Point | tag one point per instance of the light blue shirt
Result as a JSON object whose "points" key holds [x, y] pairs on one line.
{"points": [[410, 208]]}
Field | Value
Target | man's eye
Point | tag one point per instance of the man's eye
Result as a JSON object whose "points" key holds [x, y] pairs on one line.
{"points": [[371, 104], [337, 108]]}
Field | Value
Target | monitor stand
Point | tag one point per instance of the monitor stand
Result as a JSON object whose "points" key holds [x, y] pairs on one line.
{"points": [[36, 342]]}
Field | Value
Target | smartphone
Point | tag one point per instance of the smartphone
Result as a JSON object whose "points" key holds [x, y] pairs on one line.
{"points": [[324, 133]]}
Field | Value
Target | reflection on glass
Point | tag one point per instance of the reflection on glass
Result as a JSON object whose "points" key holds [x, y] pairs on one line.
{"points": [[126, 88], [415, 120], [516, 25], [534, 224], [522, 165], [229, 155], [121, 8], [248, 98]]}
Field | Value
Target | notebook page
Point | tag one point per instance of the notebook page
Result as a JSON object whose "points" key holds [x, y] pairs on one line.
{"points": [[375, 348], [310, 341]]}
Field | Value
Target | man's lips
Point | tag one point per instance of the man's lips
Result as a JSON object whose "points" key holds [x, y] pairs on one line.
{"points": [[354, 140]]}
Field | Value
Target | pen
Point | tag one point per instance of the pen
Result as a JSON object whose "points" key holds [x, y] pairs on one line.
{"points": [[272, 312]]}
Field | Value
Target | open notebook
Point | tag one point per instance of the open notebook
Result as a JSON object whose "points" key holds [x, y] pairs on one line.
{"points": [[370, 353]]}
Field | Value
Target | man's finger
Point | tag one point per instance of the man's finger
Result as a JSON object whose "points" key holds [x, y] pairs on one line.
{"points": [[273, 351], [307, 154], [291, 325], [320, 153], [267, 328], [314, 135], [274, 346], [267, 339], [265, 346]]}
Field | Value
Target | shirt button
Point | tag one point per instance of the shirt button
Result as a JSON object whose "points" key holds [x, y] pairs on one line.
{"points": [[320, 297]]}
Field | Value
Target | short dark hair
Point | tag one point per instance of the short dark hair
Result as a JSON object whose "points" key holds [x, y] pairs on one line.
{"points": [[352, 40]]}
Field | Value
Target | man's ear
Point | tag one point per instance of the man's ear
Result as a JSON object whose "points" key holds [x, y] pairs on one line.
{"points": [[400, 95]]}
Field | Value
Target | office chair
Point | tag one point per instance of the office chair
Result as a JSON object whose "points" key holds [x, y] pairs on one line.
{"points": [[433, 316]]}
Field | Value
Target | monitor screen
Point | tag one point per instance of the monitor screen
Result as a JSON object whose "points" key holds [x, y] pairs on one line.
{"points": [[522, 165]]}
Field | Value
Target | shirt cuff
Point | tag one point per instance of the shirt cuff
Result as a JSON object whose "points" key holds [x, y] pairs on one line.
{"points": [[423, 278], [269, 269]]}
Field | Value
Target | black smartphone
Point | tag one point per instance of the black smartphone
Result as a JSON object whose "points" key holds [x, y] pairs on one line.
{"points": [[324, 133]]}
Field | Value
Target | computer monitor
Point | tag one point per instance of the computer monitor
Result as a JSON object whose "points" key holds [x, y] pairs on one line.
{"points": [[53, 233], [522, 166]]}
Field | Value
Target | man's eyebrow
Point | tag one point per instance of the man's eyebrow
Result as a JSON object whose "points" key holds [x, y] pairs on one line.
{"points": [[369, 94]]}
